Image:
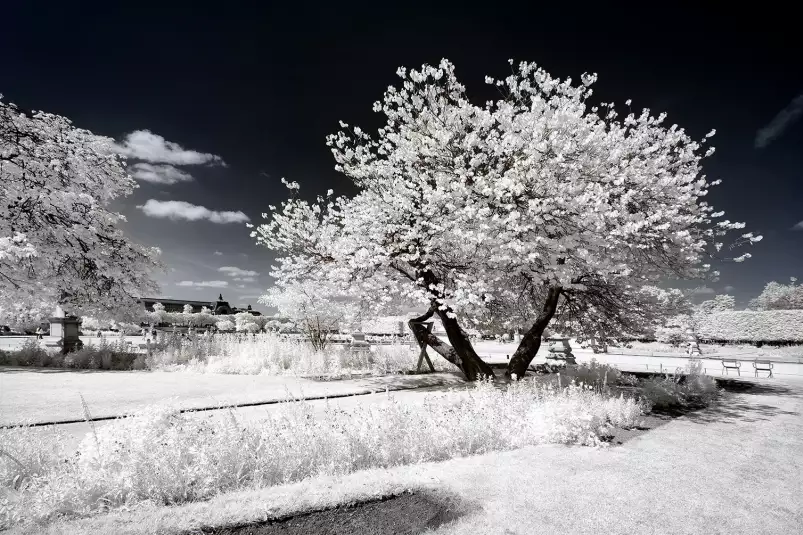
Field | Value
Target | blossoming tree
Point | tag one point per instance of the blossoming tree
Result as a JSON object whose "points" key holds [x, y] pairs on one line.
{"points": [[317, 309], [535, 199], [59, 241]]}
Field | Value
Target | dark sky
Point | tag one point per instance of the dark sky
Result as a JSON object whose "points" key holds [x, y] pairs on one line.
{"points": [[262, 85]]}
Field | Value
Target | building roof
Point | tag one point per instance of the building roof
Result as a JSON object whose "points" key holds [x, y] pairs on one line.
{"points": [[174, 301]]}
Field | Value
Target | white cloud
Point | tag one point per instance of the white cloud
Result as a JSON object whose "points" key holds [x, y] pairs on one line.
{"points": [[218, 253], [232, 271], [703, 290], [245, 279], [177, 210], [241, 286], [159, 174], [799, 226], [204, 284], [785, 118], [144, 145], [729, 289]]}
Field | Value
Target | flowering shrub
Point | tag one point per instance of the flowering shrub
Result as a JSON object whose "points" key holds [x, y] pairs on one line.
{"points": [[166, 457], [752, 326]]}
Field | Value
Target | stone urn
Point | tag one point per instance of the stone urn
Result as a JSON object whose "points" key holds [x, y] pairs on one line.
{"points": [[560, 352]]}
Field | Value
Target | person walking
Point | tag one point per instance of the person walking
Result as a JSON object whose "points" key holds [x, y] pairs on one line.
{"points": [[39, 333]]}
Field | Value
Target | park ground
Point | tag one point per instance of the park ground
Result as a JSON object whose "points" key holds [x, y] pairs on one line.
{"points": [[732, 468]]}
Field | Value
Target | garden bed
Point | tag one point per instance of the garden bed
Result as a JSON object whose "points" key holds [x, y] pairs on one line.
{"points": [[408, 514]]}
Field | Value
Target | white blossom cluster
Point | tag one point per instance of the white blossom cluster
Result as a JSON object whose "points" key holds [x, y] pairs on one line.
{"points": [[463, 205]]}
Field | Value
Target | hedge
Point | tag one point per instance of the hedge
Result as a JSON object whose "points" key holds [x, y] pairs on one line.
{"points": [[770, 326]]}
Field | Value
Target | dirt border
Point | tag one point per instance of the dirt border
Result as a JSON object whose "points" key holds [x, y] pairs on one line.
{"points": [[407, 513]]}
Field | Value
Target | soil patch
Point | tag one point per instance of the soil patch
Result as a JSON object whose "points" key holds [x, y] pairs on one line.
{"points": [[407, 514]]}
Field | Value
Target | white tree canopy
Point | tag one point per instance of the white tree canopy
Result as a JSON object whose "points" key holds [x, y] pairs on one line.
{"points": [[463, 205], [59, 242], [777, 296]]}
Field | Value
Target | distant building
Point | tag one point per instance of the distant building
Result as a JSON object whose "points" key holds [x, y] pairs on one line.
{"points": [[219, 307]]}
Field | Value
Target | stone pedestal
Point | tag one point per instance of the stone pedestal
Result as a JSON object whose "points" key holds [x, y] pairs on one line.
{"points": [[65, 329], [358, 342], [693, 345], [560, 352]]}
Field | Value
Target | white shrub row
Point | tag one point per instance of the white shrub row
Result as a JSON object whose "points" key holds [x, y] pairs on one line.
{"points": [[752, 326]]}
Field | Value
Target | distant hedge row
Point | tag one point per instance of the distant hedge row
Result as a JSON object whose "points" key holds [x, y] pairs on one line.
{"points": [[770, 326]]}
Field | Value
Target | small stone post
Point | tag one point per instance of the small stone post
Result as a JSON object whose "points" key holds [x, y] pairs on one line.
{"points": [[560, 351], [65, 328]]}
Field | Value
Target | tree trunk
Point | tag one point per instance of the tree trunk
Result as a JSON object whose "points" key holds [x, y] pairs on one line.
{"points": [[531, 341], [461, 353]]}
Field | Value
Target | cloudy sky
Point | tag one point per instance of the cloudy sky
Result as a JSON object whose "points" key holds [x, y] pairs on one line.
{"points": [[214, 105]]}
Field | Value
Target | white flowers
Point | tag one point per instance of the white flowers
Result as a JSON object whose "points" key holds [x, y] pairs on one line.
{"points": [[458, 201]]}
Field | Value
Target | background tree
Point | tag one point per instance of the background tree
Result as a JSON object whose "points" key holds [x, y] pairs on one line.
{"points": [[59, 242], [720, 303], [316, 309], [537, 196], [776, 296]]}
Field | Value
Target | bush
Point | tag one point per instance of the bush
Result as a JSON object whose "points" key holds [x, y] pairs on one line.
{"points": [[165, 457], [105, 356], [598, 376], [30, 354], [692, 389]]}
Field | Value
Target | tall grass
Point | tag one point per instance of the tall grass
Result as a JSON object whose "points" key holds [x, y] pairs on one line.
{"points": [[273, 354], [162, 456]]}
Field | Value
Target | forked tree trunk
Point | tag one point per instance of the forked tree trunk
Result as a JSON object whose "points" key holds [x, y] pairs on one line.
{"points": [[460, 353], [531, 341]]}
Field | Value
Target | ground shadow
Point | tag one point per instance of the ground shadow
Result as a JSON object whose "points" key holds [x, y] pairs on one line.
{"points": [[755, 388], [33, 369], [407, 513]]}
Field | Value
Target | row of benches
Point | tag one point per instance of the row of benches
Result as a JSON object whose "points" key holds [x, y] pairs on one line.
{"points": [[758, 365]]}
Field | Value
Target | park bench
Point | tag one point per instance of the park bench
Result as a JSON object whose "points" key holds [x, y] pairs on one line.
{"points": [[731, 364], [763, 366]]}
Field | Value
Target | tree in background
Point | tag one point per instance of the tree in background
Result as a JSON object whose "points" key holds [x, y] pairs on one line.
{"points": [[778, 296], [535, 199], [59, 242], [720, 303], [317, 310]]}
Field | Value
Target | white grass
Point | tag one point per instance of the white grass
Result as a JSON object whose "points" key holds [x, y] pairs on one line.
{"points": [[162, 457], [272, 354]]}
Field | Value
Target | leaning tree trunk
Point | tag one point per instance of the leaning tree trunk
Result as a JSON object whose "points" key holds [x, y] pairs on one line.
{"points": [[531, 341], [460, 353]]}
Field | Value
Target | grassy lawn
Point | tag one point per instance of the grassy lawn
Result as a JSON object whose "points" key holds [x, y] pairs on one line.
{"points": [[52, 394], [732, 468]]}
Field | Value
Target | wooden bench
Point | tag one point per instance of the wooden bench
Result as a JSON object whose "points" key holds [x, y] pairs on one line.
{"points": [[731, 364], [763, 366]]}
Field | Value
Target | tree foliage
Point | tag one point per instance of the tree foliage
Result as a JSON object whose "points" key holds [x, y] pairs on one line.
{"points": [[59, 241], [777, 296], [536, 199]]}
